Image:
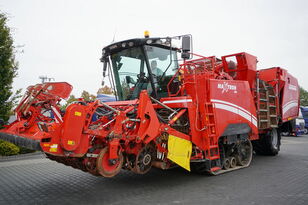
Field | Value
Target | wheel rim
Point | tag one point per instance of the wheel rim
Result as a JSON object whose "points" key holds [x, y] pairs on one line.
{"points": [[106, 167], [232, 162], [144, 160], [274, 136], [244, 156], [227, 164]]}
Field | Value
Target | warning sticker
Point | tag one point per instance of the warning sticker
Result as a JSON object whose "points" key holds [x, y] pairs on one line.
{"points": [[70, 142], [77, 113], [53, 148]]}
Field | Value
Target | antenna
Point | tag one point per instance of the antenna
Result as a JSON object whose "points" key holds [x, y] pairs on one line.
{"points": [[114, 35]]}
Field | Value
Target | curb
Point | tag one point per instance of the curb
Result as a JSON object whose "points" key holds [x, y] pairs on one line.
{"points": [[37, 154]]}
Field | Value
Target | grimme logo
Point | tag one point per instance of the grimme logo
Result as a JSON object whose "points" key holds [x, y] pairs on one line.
{"points": [[226, 87], [292, 87]]}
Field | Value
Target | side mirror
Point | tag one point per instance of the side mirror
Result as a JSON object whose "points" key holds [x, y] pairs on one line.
{"points": [[104, 68], [186, 46]]}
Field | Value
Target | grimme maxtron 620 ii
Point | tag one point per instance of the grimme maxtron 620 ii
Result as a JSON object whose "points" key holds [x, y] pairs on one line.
{"points": [[206, 114]]}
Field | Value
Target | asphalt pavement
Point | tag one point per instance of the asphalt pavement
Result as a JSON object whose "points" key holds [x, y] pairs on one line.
{"points": [[283, 179]]}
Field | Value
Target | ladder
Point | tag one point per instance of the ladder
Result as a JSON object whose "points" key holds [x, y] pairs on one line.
{"points": [[266, 105], [211, 129], [212, 143]]}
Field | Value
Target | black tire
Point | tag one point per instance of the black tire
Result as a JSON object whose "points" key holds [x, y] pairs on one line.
{"points": [[268, 144]]}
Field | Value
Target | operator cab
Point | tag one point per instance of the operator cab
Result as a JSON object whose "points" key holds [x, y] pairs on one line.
{"points": [[140, 64]]}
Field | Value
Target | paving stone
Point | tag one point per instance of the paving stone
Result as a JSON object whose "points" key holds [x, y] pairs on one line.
{"points": [[269, 180]]}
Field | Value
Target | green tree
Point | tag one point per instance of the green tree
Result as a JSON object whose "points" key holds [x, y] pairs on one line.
{"points": [[105, 90], [8, 70], [303, 96], [87, 96], [71, 99]]}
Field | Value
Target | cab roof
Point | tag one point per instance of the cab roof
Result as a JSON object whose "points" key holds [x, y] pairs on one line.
{"points": [[135, 42]]}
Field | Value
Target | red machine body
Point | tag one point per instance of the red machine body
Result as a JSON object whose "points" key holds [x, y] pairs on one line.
{"points": [[40, 104], [213, 110], [287, 87]]}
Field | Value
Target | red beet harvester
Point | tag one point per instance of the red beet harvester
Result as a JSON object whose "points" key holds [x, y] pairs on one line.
{"points": [[204, 114]]}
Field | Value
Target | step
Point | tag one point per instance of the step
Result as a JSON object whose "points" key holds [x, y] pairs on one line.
{"points": [[273, 115], [272, 105], [271, 96], [263, 120], [262, 89], [274, 126], [214, 157], [263, 110], [214, 169], [263, 100]]}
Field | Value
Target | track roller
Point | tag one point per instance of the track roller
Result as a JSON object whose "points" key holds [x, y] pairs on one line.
{"points": [[241, 159], [232, 162], [244, 155], [227, 164]]}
